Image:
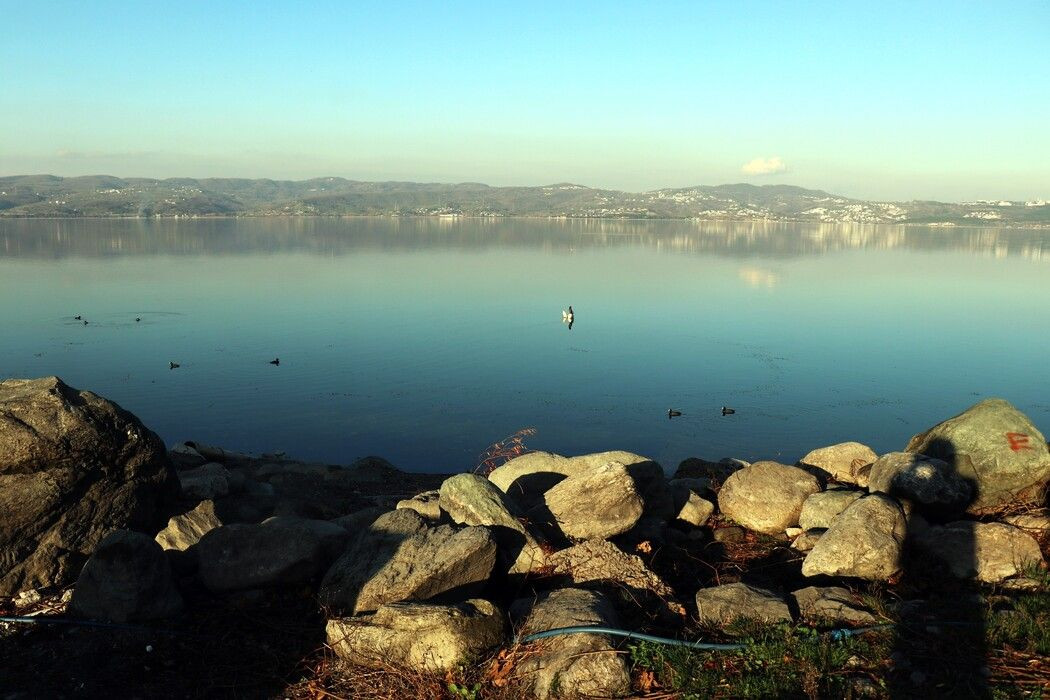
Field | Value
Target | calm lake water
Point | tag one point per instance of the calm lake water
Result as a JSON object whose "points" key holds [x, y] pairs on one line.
{"points": [[424, 341]]}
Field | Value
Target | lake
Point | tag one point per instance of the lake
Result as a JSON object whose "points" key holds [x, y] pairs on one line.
{"points": [[426, 340]]}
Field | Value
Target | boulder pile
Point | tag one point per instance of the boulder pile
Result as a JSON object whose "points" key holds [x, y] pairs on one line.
{"points": [[435, 577]]}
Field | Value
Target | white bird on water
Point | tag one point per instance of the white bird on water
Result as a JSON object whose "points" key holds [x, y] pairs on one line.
{"points": [[567, 316]]}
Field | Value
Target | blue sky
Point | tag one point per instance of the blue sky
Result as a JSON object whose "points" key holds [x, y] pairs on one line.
{"points": [[884, 100]]}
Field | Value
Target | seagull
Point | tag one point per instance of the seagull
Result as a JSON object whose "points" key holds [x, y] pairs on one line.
{"points": [[275, 361], [671, 413], [728, 411], [568, 317], [173, 365]]}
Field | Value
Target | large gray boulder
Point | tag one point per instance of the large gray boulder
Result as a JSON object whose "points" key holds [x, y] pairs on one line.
{"points": [[426, 504], [572, 665], [186, 529], [600, 502], [721, 604], [864, 541], [281, 551], [841, 461], [989, 552], [833, 605], [766, 496], [925, 481], [526, 478], [127, 579], [388, 567], [73, 468], [820, 509], [995, 447], [419, 636], [470, 499]]}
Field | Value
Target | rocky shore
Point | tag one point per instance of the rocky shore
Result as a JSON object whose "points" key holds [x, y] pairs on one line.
{"points": [[209, 573]]}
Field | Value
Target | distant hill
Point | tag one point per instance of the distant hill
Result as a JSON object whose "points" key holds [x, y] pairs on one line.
{"points": [[107, 196]]}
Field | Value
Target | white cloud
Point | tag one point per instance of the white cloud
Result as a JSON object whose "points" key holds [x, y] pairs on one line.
{"points": [[765, 166]]}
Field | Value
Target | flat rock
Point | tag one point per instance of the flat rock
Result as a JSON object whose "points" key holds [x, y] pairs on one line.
{"points": [[1036, 522], [186, 529], [864, 541], [833, 605], [574, 665], [841, 461], [387, 567], [470, 499], [73, 468], [602, 561], [419, 636], [921, 480], [127, 579], [766, 497], [206, 482], [426, 504], [989, 552], [597, 503], [996, 448], [281, 551], [721, 604], [820, 509]]}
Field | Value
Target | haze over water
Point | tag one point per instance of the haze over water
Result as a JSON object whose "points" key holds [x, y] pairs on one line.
{"points": [[425, 340]]}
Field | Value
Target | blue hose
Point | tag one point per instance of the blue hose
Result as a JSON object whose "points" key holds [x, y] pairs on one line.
{"points": [[835, 635]]}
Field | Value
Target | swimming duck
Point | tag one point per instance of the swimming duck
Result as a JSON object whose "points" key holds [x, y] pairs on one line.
{"points": [[173, 365], [728, 411], [137, 319], [671, 413], [76, 318], [275, 361], [85, 323]]}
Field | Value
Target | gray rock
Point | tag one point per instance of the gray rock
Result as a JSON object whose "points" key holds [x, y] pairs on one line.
{"points": [[841, 461], [702, 486], [1036, 522], [996, 447], [206, 482], [73, 468], [766, 497], [807, 540], [922, 480], [419, 636], [864, 541], [820, 509], [575, 665], [730, 534], [359, 520], [127, 579], [596, 503], [989, 552], [281, 551], [717, 472], [834, 605], [602, 561], [387, 567], [426, 504], [185, 530], [720, 604], [470, 499], [693, 510], [528, 477]]}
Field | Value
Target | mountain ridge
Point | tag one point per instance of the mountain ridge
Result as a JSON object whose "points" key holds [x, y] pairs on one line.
{"points": [[51, 196]]}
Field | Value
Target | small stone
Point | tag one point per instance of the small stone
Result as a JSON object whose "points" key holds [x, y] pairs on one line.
{"points": [[820, 509], [426, 504], [841, 461], [721, 604], [730, 534], [598, 503], [766, 497]]}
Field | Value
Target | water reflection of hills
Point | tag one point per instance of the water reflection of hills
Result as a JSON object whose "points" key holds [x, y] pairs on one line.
{"points": [[54, 239]]}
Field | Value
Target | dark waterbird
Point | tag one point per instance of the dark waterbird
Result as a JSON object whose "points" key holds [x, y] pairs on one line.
{"points": [[671, 413], [85, 323], [728, 411], [77, 317], [173, 365], [275, 361], [137, 319]]}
